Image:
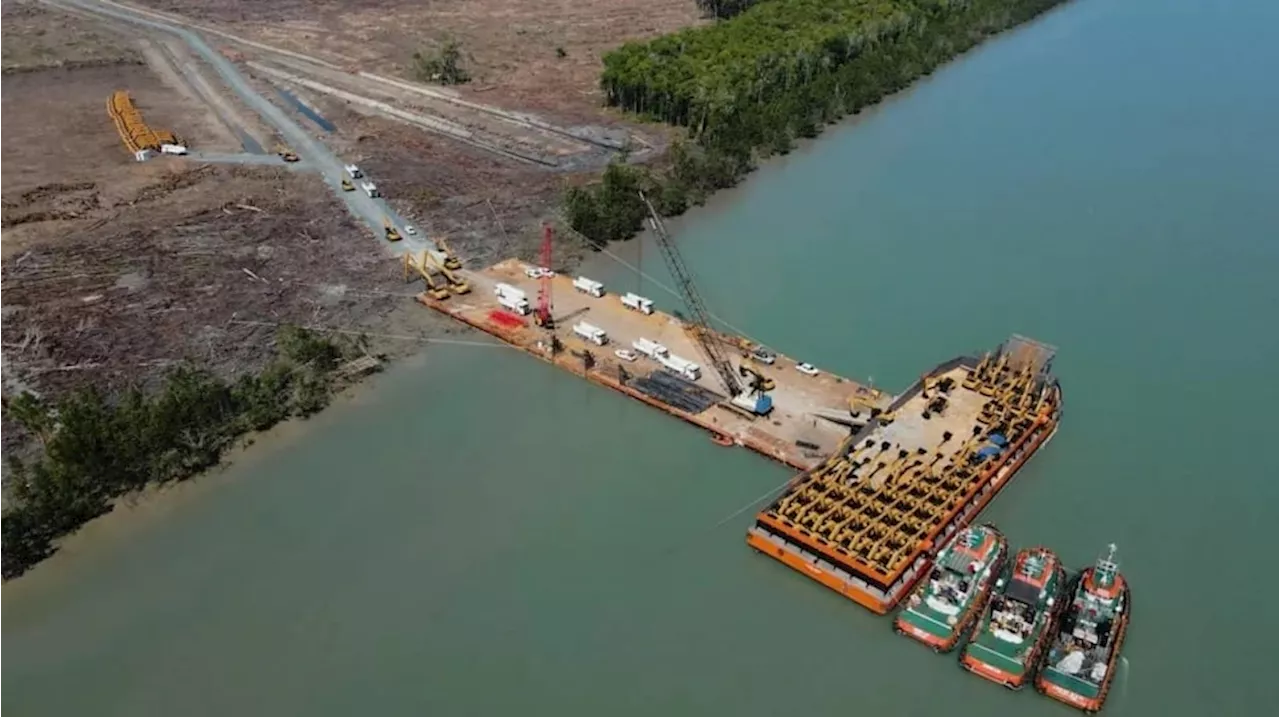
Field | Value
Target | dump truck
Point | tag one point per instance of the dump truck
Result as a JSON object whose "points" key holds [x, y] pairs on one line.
{"points": [[594, 334], [652, 349], [512, 298], [635, 302], [589, 286], [390, 230]]}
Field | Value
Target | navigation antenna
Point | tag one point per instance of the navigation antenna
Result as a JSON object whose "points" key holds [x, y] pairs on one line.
{"points": [[542, 317], [701, 326]]}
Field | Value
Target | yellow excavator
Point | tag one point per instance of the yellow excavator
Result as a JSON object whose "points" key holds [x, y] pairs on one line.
{"points": [[451, 261], [749, 369], [456, 283], [286, 154], [348, 185], [390, 230], [419, 265]]}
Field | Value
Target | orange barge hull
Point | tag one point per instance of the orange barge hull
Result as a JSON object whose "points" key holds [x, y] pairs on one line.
{"points": [[899, 585]]}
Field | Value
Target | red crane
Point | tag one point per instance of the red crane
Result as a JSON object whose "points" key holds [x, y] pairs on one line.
{"points": [[542, 317]]}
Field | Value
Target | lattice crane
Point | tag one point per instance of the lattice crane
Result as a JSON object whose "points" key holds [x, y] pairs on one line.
{"points": [[701, 326]]}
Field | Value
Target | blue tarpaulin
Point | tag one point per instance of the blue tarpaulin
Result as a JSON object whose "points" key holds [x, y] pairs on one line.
{"points": [[998, 439], [988, 451]]}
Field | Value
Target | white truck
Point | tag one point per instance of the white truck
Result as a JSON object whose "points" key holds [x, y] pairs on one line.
{"points": [[652, 349], [683, 367], [589, 286], [172, 149], [509, 297], [352, 171], [636, 302], [371, 189], [594, 334]]}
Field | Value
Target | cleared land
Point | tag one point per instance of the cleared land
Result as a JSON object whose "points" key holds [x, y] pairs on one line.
{"points": [[115, 270], [36, 39], [510, 45]]}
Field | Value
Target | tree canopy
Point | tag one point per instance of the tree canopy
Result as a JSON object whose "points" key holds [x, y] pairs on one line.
{"points": [[96, 447], [748, 86]]}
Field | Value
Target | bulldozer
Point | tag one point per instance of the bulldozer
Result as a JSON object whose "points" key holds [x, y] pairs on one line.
{"points": [[451, 261], [390, 230]]}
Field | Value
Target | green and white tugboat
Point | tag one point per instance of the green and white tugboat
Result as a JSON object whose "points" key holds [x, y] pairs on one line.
{"points": [[1008, 641], [1085, 647], [954, 593]]}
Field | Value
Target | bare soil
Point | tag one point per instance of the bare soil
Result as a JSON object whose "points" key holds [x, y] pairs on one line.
{"points": [[114, 270], [36, 38], [510, 45]]}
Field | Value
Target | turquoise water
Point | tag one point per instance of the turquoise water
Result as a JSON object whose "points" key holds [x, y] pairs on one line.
{"points": [[481, 533]]}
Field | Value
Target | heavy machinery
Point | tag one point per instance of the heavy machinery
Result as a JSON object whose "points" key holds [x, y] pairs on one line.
{"points": [[752, 398], [389, 230], [421, 265], [286, 154], [749, 369], [542, 315], [450, 259], [348, 186], [456, 283]]}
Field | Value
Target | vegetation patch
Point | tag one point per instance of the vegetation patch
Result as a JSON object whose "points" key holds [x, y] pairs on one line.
{"points": [[96, 448], [747, 87]]}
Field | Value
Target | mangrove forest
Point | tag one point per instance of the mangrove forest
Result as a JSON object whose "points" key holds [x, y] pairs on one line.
{"points": [[747, 87], [95, 448]]}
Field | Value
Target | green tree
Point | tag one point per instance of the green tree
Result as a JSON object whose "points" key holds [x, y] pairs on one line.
{"points": [[444, 66]]}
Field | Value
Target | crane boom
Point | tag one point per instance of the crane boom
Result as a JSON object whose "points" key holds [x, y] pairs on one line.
{"points": [[701, 327]]}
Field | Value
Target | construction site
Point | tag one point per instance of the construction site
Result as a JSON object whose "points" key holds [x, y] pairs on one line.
{"points": [[116, 270]]}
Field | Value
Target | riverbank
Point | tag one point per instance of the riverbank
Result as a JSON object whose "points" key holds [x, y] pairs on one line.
{"points": [[621, 182], [748, 88]]}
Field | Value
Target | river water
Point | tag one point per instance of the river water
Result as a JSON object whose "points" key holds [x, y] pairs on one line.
{"points": [[479, 533]]}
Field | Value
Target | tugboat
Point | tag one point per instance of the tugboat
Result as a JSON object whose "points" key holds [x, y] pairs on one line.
{"points": [[1007, 642], [953, 594], [1081, 660]]}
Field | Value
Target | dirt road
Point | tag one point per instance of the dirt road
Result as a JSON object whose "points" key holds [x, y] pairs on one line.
{"points": [[370, 211]]}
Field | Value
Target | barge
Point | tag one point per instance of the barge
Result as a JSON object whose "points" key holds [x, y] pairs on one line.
{"points": [[868, 521], [621, 341]]}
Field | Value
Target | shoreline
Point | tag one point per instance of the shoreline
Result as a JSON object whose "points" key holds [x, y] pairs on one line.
{"points": [[136, 511]]}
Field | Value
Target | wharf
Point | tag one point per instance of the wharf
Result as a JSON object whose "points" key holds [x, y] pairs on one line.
{"points": [[810, 415]]}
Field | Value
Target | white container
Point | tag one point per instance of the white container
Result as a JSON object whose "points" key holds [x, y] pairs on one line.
{"points": [[652, 349], [637, 302], [589, 286], [684, 367], [173, 149], [508, 291], [594, 334], [353, 171], [517, 304]]}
